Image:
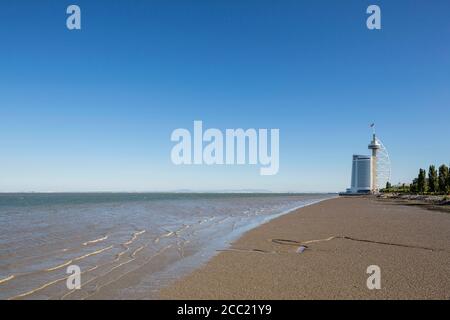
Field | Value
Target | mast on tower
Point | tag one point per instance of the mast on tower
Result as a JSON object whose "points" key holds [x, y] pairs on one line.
{"points": [[374, 146]]}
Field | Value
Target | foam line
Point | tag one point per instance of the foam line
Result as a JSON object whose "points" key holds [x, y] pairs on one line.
{"points": [[95, 241], [7, 279], [134, 237], [77, 259]]}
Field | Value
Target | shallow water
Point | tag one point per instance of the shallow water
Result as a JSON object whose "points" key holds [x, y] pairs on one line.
{"points": [[126, 245]]}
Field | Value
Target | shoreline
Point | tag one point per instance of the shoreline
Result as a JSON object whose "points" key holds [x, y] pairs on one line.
{"points": [[341, 238], [227, 241], [131, 260]]}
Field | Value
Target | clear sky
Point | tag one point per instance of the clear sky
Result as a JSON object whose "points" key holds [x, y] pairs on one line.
{"points": [[94, 109]]}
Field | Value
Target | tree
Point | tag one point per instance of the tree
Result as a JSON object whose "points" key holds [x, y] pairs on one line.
{"points": [[388, 186], [448, 181], [421, 181], [443, 179], [433, 184], [413, 186]]}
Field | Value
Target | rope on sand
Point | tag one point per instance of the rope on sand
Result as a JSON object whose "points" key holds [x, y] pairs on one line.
{"points": [[302, 245], [299, 243]]}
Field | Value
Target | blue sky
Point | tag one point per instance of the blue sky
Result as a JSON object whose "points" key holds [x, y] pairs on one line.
{"points": [[93, 109]]}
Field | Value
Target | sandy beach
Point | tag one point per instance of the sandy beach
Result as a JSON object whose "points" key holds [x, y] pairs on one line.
{"points": [[343, 236]]}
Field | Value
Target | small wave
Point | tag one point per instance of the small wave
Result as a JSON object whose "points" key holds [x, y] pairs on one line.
{"points": [[98, 287], [184, 227], [134, 237], [77, 259], [7, 279], [136, 251], [46, 285], [120, 254], [37, 289], [166, 235], [59, 266], [95, 241]]}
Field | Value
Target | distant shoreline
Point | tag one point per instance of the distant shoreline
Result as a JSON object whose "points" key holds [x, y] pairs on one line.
{"points": [[165, 192]]}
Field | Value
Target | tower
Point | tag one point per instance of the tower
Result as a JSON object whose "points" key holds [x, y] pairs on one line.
{"points": [[374, 146], [370, 172]]}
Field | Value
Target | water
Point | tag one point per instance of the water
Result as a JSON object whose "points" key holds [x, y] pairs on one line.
{"points": [[126, 245]]}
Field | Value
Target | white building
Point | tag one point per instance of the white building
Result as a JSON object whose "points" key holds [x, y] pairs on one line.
{"points": [[369, 172], [361, 175]]}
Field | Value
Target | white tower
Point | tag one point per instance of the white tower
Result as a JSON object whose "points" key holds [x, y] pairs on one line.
{"points": [[370, 173], [374, 146]]}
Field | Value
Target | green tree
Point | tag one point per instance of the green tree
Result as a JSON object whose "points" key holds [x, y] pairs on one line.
{"points": [[404, 188], [421, 181], [413, 186], [433, 183], [443, 179], [448, 181], [388, 186]]}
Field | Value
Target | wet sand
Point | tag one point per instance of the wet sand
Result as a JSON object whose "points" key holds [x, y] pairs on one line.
{"points": [[343, 236]]}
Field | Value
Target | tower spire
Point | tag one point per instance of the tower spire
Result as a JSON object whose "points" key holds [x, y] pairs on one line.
{"points": [[374, 146], [373, 127]]}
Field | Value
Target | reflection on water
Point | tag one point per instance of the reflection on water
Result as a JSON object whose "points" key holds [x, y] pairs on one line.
{"points": [[127, 245]]}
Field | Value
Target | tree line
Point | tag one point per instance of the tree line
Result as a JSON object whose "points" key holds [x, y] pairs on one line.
{"points": [[435, 182]]}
